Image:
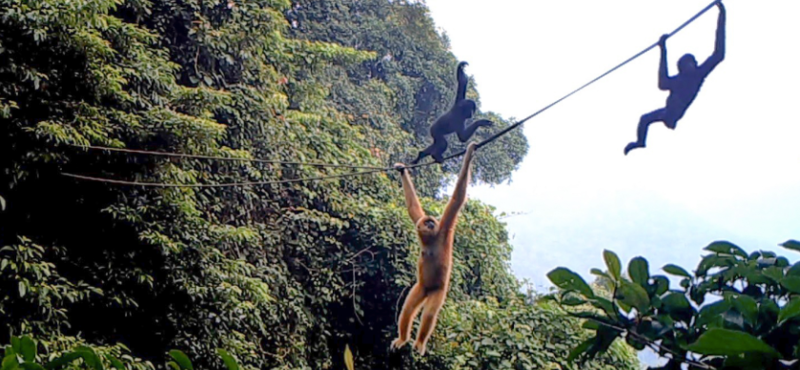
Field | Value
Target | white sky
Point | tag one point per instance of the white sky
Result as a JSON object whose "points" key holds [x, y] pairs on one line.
{"points": [[731, 169]]}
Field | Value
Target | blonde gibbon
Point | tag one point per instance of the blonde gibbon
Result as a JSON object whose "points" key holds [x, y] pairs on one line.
{"points": [[435, 262]]}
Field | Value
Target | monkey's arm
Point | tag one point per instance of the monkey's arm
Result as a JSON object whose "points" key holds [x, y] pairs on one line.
{"points": [[719, 46], [412, 202], [460, 193], [664, 82], [461, 77]]}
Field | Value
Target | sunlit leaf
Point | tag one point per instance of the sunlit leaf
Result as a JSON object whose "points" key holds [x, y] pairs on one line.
{"points": [[348, 358], [181, 359]]}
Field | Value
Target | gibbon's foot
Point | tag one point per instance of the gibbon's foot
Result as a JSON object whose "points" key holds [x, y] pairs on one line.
{"points": [[420, 348], [632, 146], [397, 344]]}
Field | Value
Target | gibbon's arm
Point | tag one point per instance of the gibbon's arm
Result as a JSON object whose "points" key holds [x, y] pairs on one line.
{"points": [[461, 77], [412, 202], [459, 194], [664, 82], [719, 46]]}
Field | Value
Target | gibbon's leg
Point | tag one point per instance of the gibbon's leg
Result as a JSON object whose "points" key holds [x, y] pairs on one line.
{"points": [[435, 150], [644, 125], [430, 313], [464, 133], [411, 307]]}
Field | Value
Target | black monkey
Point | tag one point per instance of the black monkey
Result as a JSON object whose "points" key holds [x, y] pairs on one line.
{"points": [[453, 121], [683, 88]]}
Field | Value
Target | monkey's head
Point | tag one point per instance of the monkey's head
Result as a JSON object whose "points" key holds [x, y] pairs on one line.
{"points": [[427, 228], [466, 108], [687, 63]]}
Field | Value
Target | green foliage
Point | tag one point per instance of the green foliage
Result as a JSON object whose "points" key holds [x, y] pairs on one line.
{"points": [[752, 320]]}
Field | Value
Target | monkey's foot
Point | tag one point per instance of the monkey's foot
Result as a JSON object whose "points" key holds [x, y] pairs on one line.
{"points": [[420, 347], [398, 343], [632, 146]]}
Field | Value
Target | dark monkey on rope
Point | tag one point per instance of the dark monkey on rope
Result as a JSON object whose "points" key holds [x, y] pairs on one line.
{"points": [[453, 121], [683, 87]]}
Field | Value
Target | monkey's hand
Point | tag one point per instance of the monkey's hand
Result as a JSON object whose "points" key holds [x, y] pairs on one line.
{"points": [[471, 148], [400, 167], [663, 40], [484, 123], [720, 6]]}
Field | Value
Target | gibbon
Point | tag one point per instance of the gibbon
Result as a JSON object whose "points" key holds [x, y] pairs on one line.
{"points": [[435, 262], [453, 121]]}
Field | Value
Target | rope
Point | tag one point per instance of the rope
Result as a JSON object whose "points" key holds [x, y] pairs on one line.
{"points": [[573, 92], [371, 170], [216, 158], [226, 185]]}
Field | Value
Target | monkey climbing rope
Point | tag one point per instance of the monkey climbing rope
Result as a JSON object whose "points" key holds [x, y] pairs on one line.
{"points": [[371, 169]]}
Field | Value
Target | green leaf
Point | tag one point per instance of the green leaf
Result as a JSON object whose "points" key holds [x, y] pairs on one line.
{"points": [[639, 271], [230, 362], [580, 349], [9, 363], [28, 348], [794, 270], [747, 306], [62, 361], [612, 262], [723, 247], [173, 365], [634, 295], [676, 270], [789, 311], [90, 357], [791, 283], [115, 362], [791, 244], [22, 288], [181, 359], [568, 280], [348, 358], [31, 366], [724, 342]]}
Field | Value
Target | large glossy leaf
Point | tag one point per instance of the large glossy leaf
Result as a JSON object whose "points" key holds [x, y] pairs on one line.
{"points": [[724, 342], [747, 306], [568, 280], [9, 363], [639, 271], [791, 283], [227, 359], [28, 348], [90, 357], [676, 270], [723, 247], [791, 244], [62, 361], [612, 263], [634, 295], [581, 349], [789, 311], [181, 359]]}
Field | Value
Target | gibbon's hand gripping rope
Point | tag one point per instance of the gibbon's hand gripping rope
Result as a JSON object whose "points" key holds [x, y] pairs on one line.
{"points": [[371, 169]]}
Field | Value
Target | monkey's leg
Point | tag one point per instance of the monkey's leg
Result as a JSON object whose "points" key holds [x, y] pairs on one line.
{"points": [[411, 307], [644, 124], [464, 133], [438, 148], [429, 315]]}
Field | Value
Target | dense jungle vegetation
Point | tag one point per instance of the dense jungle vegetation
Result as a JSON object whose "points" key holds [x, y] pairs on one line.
{"points": [[280, 276]]}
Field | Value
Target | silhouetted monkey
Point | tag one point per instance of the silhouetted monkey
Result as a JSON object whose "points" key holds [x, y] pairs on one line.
{"points": [[683, 88], [453, 121]]}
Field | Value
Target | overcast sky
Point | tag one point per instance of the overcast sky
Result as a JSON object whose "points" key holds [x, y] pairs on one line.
{"points": [[731, 169]]}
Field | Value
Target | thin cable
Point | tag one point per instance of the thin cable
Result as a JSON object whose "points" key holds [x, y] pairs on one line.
{"points": [[226, 185], [228, 159], [618, 66]]}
